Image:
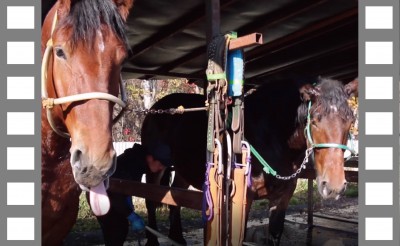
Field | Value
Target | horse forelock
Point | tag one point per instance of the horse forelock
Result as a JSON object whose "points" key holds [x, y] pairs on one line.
{"points": [[332, 98], [86, 18]]}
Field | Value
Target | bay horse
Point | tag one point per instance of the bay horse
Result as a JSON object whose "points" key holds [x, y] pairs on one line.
{"points": [[275, 122], [83, 46]]}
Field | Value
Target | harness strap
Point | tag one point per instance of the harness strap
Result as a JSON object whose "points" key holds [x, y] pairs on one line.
{"points": [[217, 87], [215, 179], [240, 176], [237, 124]]}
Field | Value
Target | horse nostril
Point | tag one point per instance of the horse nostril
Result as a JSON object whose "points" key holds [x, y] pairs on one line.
{"points": [[76, 159], [323, 183], [84, 170], [345, 184]]}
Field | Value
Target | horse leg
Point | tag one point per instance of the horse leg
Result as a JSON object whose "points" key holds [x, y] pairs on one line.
{"points": [[154, 178], [175, 225], [152, 223], [114, 224], [278, 207], [175, 222]]}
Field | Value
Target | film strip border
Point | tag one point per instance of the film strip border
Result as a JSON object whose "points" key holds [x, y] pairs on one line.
{"points": [[20, 108], [379, 127], [20, 127]]}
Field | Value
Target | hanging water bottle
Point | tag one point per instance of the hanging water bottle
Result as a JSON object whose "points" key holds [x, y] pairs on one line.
{"points": [[235, 73]]}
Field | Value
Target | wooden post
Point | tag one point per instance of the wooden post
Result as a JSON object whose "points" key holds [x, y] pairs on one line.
{"points": [[310, 204], [213, 18]]}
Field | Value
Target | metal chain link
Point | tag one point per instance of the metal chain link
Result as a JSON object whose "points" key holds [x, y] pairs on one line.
{"points": [[298, 171], [171, 111]]}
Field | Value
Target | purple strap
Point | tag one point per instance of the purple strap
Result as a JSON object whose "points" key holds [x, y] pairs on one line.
{"points": [[238, 165], [207, 199]]}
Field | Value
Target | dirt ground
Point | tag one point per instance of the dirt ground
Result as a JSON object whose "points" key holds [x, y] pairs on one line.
{"points": [[325, 232]]}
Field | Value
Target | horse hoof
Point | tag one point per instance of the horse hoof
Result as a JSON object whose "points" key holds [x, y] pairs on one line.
{"points": [[180, 240], [273, 242], [152, 243]]}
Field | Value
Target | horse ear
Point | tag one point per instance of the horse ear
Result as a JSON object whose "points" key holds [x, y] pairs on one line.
{"points": [[308, 92], [64, 6], [352, 88], [123, 7]]}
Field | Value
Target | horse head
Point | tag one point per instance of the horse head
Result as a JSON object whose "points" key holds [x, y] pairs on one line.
{"points": [[84, 45], [327, 118]]}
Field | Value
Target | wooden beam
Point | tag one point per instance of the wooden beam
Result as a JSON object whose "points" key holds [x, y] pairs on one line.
{"points": [[168, 31], [254, 26], [272, 18], [286, 12], [298, 61], [168, 195], [182, 60], [188, 19], [246, 41], [312, 31]]}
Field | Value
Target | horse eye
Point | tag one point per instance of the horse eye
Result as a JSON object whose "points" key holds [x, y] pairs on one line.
{"points": [[60, 53]]}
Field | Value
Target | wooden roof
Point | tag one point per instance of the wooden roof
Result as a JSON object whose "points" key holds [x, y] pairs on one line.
{"points": [[301, 38]]}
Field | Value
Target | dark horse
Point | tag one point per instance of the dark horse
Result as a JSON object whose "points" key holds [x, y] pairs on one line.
{"points": [[275, 122], [275, 119], [83, 47]]}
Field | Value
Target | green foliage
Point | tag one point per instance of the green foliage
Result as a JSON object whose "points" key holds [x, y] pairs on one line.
{"points": [[300, 195], [352, 190]]}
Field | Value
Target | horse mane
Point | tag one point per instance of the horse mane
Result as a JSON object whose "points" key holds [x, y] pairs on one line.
{"points": [[331, 93], [86, 18]]}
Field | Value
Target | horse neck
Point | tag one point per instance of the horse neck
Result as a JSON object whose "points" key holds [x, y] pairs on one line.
{"points": [[298, 140], [54, 147]]}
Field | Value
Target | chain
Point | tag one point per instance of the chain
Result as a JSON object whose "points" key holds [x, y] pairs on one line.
{"points": [[171, 111], [298, 171]]}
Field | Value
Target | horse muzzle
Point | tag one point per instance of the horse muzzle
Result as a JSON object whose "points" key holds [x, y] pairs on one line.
{"points": [[329, 190], [89, 172]]}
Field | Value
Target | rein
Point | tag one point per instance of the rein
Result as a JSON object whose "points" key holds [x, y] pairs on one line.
{"points": [[49, 103]]}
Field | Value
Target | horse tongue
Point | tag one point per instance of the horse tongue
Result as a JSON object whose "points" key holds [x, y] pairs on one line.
{"points": [[99, 200]]}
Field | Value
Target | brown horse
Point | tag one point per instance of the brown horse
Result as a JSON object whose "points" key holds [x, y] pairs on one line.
{"points": [[83, 46], [275, 123]]}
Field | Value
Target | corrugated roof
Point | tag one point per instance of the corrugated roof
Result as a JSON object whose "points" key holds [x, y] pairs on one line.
{"points": [[303, 38]]}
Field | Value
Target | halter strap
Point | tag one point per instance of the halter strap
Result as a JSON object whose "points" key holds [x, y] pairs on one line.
{"points": [[49, 103]]}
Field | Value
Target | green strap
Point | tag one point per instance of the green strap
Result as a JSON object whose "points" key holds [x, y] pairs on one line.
{"points": [[267, 168], [308, 124], [216, 76], [333, 145]]}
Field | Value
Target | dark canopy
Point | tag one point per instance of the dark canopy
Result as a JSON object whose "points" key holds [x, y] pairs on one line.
{"points": [[301, 38]]}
